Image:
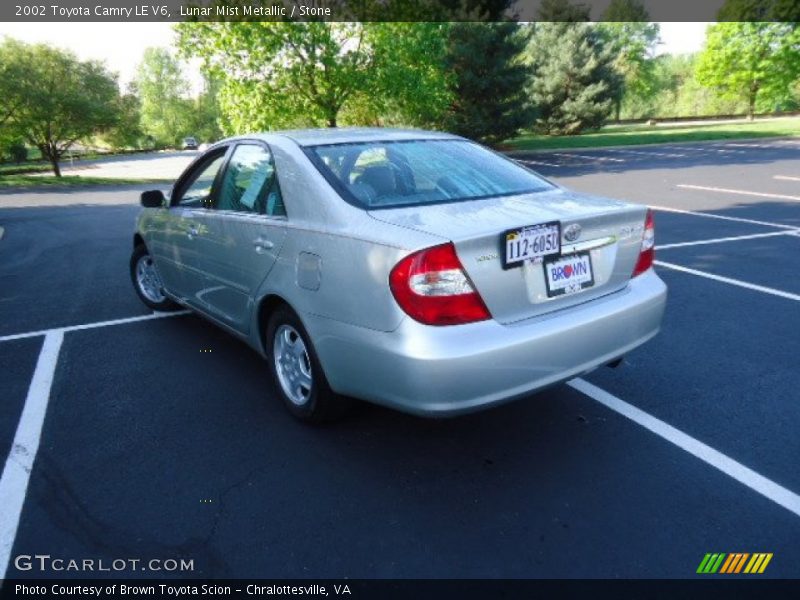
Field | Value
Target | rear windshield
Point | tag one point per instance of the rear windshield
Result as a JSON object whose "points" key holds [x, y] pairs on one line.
{"points": [[403, 173]]}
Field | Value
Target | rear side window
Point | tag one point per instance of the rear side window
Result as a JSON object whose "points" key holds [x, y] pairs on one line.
{"points": [[404, 173], [249, 184]]}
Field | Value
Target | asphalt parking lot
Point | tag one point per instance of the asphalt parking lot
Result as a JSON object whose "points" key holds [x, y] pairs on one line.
{"points": [[132, 435]]}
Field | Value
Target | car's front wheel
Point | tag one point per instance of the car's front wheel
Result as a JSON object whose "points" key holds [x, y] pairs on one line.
{"points": [[299, 378], [147, 281]]}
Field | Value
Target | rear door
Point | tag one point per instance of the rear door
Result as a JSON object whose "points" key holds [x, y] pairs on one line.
{"points": [[242, 234]]}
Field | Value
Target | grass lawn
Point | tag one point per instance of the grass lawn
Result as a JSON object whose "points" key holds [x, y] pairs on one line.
{"points": [[26, 167], [31, 181], [623, 135]]}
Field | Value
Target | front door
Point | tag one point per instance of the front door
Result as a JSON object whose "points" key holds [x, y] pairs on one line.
{"points": [[178, 253]]}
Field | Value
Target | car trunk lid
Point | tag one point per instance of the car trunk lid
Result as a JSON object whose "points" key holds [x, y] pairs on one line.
{"points": [[610, 235]]}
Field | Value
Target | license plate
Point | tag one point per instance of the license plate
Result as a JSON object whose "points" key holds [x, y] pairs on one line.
{"points": [[530, 243], [569, 274]]}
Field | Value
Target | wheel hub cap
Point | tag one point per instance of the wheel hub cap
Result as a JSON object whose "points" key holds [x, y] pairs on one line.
{"points": [[148, 280], [292, 364]]}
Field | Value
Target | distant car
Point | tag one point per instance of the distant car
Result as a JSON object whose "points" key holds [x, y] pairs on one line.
{"points": [[412, 269], [189, 143]]}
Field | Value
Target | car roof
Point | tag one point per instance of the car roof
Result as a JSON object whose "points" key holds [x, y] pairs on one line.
{"points": [[345, 135]]}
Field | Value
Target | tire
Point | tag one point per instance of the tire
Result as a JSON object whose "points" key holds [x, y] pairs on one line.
{"points": [[147, 282], [297, 373]]}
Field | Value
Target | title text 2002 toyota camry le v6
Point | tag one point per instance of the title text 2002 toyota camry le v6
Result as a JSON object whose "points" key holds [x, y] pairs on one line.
{"points": [[413, 269]]}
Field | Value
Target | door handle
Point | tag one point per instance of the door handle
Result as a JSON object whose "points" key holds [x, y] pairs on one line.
{"points": [[261, 245]]}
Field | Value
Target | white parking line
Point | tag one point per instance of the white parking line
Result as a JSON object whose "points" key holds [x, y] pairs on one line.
{"points": [[737, 192], [728, 280], [786, 178], [723, 217], [537, 162], [724, 148], [744, 475], [725, 239], [17, 471], [589, 157], [710, 148], [737, 145], [155, 315], [643, 153]]}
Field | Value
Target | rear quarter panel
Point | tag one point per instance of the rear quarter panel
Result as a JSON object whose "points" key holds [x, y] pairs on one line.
{"points": [[354, 253]]}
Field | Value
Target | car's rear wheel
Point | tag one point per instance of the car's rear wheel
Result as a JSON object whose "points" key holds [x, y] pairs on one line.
{"points": [[299, 378], [147, 281]]}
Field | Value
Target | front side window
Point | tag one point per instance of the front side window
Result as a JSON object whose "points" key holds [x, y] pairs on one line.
{"points": [[418, 172], [196, 192], [250, 184]]}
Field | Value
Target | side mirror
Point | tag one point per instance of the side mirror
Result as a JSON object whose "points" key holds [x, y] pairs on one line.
{"points": [[153, 199]]}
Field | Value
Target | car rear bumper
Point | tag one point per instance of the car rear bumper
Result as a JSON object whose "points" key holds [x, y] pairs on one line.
{"points": [[443, 371]]}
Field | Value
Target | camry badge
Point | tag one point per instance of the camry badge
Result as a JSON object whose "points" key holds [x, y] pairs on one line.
{"points": [[572, 233]]}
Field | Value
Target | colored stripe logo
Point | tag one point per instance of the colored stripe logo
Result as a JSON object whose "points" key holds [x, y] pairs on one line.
{"points": [[736, 562]]}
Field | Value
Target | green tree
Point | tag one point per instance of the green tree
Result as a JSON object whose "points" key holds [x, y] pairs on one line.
{"points": [[14, 56], [166, 110], [633, 41], [756, 62], [760, 10], [61, 100], [127, 131], [622, 11], [408, 84], [283, 74], [489, 80], [206, 115], [563, 11], [574, 83]]}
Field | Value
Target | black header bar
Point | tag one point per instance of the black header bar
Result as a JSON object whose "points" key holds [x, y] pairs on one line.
{"points": [[32, 11]]}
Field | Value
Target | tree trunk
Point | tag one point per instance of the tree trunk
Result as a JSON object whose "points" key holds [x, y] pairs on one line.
{"points": [[56, 168], [332, 120], [50, 154], [751, 102]]}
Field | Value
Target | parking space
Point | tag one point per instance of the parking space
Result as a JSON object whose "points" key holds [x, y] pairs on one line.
{"points": [[762, 261], [162, 437], [19, 360], [724, 370], [539, 487]]}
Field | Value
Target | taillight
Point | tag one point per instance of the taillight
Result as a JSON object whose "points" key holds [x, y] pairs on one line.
{"points": [[648, 250], [432, 288]]}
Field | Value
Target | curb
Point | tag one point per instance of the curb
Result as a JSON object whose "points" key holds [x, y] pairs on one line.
{"points": [[651, 145]]}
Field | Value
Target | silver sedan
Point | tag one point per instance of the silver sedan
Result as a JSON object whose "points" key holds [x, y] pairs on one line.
{"points": [[413, 269]]}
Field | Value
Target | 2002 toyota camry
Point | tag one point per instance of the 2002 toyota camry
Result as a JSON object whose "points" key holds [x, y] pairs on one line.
{"points": [[413, 269]]}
